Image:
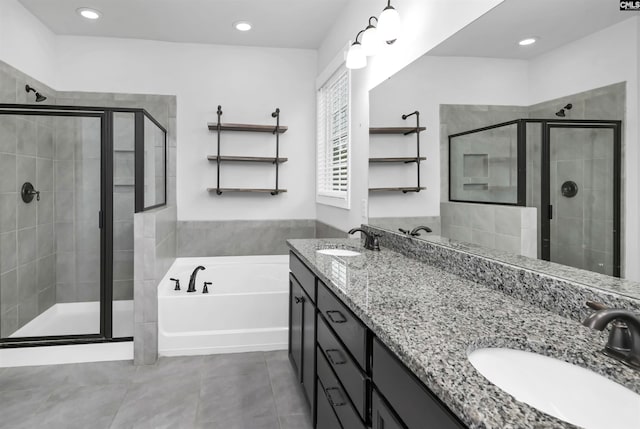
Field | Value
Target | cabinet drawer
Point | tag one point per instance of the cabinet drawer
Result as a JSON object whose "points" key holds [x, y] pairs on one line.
{"points": [[347, 326], [381, 415], [326, 418], [354, 382], [304, 276], [412, 401], [337, 397]]}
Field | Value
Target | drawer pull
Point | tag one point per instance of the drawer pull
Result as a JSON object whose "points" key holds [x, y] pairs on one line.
{"points": [[299, 299], [338, 319], [337, 391], [340, 358]]}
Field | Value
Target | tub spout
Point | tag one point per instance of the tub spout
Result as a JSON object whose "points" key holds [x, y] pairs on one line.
{"points": [[192, 279]]}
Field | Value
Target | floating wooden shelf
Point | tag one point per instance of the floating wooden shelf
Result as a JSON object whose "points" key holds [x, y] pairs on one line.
{"points": [[405, 159], [270, 160], [247, 127], [401, 189], [395, 130], [262, 191], [276, 130]]}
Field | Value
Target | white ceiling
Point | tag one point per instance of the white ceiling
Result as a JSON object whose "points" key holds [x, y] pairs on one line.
{"points": [[276, 23], [555, 22]]}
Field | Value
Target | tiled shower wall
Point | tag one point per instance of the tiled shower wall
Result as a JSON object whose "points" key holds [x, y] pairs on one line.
{"points": [[509, 228], [49, 250], [584, 156], [27, 245]]}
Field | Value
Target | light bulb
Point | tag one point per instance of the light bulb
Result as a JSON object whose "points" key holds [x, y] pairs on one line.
{"points": [[356, 58], [371, 42], [389, 24]]}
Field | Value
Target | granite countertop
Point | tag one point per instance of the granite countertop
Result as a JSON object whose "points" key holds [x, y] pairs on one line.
{"points": [[432, 320]]}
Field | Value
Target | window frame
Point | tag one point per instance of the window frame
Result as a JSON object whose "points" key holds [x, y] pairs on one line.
{"points": [[339, 199]]}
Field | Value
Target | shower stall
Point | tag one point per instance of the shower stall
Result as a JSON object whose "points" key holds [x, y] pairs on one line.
{"points": [[570, 170], [71, 179]]}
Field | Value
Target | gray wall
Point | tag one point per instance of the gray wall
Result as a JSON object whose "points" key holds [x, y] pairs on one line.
{"points": [[155, 250], [508, 228], [581, 233], [49, 250], [239, 238], [407, 223], [27, 249]]}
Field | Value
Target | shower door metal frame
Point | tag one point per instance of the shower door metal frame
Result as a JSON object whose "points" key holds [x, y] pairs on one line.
{"points": [[545, 193], [105, 214], [521, 159]]}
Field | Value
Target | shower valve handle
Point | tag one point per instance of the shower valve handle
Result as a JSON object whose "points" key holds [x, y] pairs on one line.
{"points": [[205, 289]]}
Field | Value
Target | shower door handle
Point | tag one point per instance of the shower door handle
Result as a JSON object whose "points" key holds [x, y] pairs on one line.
{"points": [[550, 212], [100, 220]]}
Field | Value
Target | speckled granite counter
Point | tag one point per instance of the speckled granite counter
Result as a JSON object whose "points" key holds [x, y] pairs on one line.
{"points": [[432, 319]]}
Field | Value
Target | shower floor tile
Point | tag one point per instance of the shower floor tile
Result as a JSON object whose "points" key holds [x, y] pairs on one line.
{"points": [[243, 391]]}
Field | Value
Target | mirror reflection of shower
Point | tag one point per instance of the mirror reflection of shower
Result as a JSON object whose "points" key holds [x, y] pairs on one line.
{"points": [[39, 97], [562, 112]]}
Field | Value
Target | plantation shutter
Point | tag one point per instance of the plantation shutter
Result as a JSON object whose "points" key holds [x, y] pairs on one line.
{"points": [[333, 136]]}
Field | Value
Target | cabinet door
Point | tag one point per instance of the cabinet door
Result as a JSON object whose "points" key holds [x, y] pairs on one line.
{"points": [[308, 348], [296, 300], [381, 415]]}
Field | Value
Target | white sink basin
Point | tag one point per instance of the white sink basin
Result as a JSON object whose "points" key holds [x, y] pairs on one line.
{"points": [[338, 252], [568, 392]]}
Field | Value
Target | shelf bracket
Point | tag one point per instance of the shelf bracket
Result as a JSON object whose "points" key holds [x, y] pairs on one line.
{"points": [[276, 114], [417, 131], [219, 129]]}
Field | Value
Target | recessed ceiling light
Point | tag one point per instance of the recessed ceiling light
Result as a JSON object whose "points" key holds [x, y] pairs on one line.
{"points": [[88, 13], [242, 25], [528, 41]]}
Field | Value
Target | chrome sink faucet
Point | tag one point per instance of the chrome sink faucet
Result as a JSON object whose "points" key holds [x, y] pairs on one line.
{"points": [[616, 346], [192, 279], [371, 239]]}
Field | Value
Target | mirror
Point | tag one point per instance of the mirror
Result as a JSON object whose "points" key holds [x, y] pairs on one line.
{"points": [[538, 142]]}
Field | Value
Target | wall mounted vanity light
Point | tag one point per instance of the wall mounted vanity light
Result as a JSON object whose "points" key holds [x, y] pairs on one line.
{"points": [[356, 57], [387, 29], [389, 24], [371, 42], [39, 97]]}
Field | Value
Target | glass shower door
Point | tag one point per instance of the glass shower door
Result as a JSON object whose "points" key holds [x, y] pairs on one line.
{"points": [[50, 238], [583, 196]]}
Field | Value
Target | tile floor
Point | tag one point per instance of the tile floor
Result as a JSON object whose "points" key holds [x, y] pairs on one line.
{"points": [[233, 391]]}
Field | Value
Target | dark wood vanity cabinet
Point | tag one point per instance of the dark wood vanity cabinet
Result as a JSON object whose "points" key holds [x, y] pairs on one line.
{"points": [[352, 381], [302, 326]]}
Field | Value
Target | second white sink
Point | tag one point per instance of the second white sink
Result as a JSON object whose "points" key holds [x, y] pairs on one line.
{"points": [[338, 252], [568, 392]]}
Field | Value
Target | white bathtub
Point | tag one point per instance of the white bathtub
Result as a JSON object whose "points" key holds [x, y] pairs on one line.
{"points": [[246, 308]]}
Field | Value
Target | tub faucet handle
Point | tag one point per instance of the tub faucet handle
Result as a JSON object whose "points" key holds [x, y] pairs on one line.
{"points": [[205, 289], [177, 283]]}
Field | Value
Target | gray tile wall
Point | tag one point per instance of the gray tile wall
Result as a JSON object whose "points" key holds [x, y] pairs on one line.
{"points": [[66, 223], [27, 233], [155, 250], [239, 238], [512, 229], [582, 235], [407, 223], [327, 231]]}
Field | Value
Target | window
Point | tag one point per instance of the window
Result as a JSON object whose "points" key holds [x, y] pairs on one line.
{"points": [[333, 140]]}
